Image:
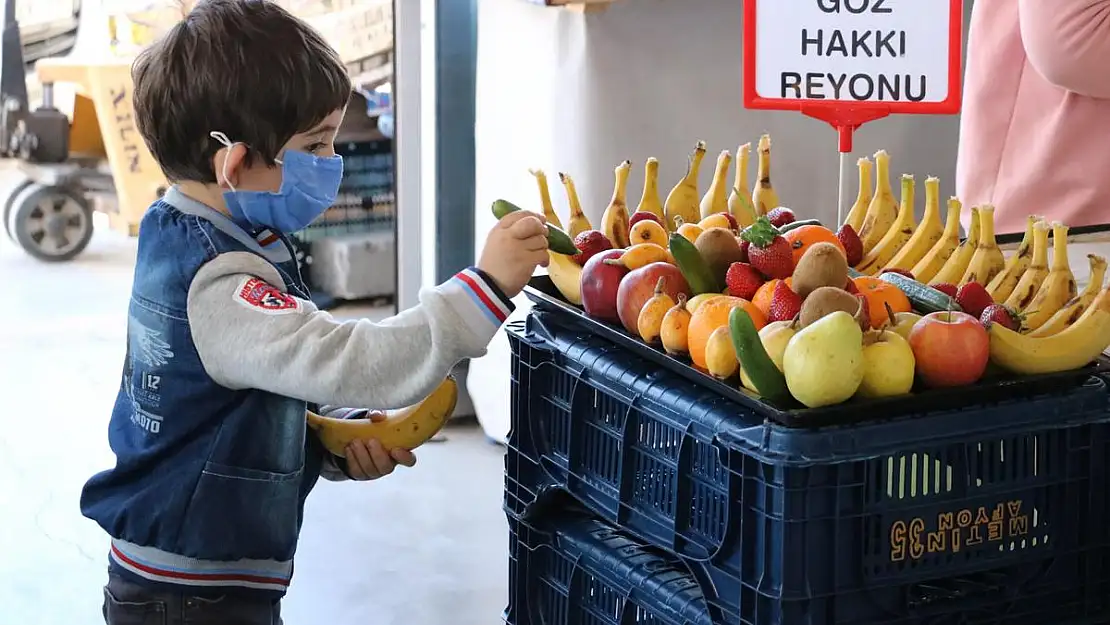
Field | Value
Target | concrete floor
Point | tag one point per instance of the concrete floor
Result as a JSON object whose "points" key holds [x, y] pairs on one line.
{"points": [[424, 546]]}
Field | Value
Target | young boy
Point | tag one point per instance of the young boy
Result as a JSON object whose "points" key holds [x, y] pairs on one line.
{"points": [[239, 104]]}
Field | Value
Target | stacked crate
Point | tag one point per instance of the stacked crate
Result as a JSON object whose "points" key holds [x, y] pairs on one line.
{"points": [[636, 495]]}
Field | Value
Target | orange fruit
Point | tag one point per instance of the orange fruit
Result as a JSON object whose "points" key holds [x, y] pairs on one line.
{"points": [[804, 236], [711, 315], [879, 294], [762, 297]]}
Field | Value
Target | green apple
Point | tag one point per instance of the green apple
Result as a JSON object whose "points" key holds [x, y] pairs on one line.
{"points": [[903, 323], [888, 365], [774, 336]]}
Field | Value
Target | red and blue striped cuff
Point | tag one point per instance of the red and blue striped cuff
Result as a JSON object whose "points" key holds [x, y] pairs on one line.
{"points": [[485, 294]]}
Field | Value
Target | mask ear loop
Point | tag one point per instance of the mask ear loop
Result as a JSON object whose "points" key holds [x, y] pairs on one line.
{"points": [[227, 143]]}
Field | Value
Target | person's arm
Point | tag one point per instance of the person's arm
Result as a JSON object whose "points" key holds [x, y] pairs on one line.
{"points": [[1068, 42], [250, 333]]}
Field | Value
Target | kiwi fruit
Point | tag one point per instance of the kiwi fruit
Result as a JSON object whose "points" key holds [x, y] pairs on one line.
{"points": [[826, 300], [719, 248], [823, 264]]}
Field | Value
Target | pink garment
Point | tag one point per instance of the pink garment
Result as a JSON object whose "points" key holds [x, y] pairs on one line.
{"points": [[1035, 126]]}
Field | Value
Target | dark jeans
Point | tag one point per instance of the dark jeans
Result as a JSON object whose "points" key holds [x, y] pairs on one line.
{"points": [[130, 604]]}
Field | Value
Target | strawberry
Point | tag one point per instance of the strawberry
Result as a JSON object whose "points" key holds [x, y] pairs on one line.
{"points": [[851, 287], [743, 280], [732, 223], [781, 216], [589, 243], [785, 303], [944, 287], [853, 247], [901, 272], [743, 249], [769, 252], [973, 298], [998, 313]]}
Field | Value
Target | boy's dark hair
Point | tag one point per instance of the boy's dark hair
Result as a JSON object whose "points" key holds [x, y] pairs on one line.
{"points": [[246, 68]]}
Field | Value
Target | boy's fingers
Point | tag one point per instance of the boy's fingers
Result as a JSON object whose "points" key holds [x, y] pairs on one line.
{"points": [[359, 462], [509, 220], [376, 416], [541, 258], [528, 227], [403, 457], [536, 243], [381, 458]]}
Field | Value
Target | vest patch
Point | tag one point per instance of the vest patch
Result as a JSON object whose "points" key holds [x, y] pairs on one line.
{"points": [[264, 297]]}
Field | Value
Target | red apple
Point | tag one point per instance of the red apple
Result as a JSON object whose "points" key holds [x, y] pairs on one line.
{"points": [[951, 348], [599, 284], [639, 216], [638, 286]]}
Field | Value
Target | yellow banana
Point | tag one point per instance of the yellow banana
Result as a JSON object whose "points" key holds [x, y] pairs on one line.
{"points": [[863, 199], [641, 255], [927, 233], [545, 198], [683, 199], [1058, 287], [882, 212], [566, 275], [740, 200], [1004, 283], [614, 221], [1075, 308], [988, 259], [957, 263], [764, 197], [898, 235], [1074, 347], [407, 428], [579, 223], [1034, 275], [649, 200], [941, 251], [715, 199], [649, 323]]}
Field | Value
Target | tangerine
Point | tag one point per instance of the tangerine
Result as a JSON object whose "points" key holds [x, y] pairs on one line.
{"points": [[879, 293], [711, 315], [801, 238]]}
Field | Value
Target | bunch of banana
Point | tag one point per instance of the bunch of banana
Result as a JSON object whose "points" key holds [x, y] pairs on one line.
{"points": [[649, 199], [1075, 346], [1006, 281], [407, 428], [1058, 287], [987, 260], [764, 197], [566, 275], [740, 199], [579, 223], [614, 221], [882, 212], [683, 199], [957, 263], [1075, 308], [715, 199], [927, 234], [942, 250], [545, 199], [863, 199], [896, 237], [1033, 277]]}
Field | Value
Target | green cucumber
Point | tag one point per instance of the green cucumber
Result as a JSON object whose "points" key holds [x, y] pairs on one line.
{"points": [[798, 224], [693, 266], [924, 299], [766, 377], [557, 240]]}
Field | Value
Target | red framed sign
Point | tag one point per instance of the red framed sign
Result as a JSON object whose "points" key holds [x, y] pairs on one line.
{"points": [[848, 62]]}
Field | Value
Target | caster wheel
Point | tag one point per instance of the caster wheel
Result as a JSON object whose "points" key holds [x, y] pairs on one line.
{"points": [[7, 206], [50, 223]]}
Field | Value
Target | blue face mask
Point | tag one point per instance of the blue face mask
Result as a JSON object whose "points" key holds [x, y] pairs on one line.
{"points": [[309, 186]]}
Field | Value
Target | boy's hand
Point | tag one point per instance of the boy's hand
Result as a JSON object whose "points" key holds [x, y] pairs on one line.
{"points": [[368, 460], [515, 246]]}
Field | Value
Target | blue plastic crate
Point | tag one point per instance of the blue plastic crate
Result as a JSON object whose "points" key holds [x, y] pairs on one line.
{"points": [[833, 526], [573, 570]]}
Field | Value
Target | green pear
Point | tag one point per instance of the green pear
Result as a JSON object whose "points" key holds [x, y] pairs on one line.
{"points": [[823, 363], [775, 336]]}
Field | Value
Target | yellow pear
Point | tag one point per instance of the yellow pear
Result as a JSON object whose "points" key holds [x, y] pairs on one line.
{"points": [[823, 363], [775, 336]]}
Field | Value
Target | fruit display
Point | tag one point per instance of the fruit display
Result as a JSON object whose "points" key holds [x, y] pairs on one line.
{"points": [[759, 297]]}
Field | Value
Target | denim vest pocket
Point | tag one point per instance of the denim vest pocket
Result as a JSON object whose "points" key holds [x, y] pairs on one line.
{"points": [[236, 512]]}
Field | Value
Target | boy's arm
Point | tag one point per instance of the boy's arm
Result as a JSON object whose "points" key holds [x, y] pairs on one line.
{"points": [[249, 333], [1069, 43]]}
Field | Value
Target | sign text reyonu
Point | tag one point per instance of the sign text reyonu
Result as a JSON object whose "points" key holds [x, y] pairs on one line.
{"points": [[853, 50]]}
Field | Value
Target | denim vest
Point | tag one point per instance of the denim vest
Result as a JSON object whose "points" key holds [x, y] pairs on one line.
{"points": [[201, 471]]}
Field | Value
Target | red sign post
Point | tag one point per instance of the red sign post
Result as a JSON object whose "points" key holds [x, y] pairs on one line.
{"points": [[848, 62]]}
